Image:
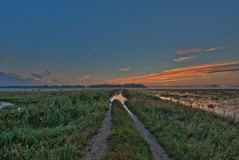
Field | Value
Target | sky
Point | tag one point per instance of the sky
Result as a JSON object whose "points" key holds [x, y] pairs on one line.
{"points": [[155, 43]]}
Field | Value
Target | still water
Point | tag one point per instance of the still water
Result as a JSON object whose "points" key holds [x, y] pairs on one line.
{"points": [[5, 104]]}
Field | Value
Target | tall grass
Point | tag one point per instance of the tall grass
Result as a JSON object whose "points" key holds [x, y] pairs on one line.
{"points": [[187, 133], [125, 142], [50, 125]]}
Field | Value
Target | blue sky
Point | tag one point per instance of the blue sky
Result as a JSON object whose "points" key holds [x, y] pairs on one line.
{"points": [[95, 42]]}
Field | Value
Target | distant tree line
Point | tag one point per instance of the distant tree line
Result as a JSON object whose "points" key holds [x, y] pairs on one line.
{"points": [[133, 85]]}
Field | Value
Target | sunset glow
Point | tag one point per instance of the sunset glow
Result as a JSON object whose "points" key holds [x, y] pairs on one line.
{"points": [[153, 43], [196, 74]]}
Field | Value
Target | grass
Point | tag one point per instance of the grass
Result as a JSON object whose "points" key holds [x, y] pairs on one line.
{"points": [[125, 142], [50, 125], [184, 132]]}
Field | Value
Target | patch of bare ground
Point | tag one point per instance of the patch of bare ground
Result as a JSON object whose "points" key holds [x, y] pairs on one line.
{"points": [[97, 146]]}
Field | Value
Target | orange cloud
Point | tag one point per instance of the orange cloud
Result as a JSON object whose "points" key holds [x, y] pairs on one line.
{"points": [[198, 72], [124, 69], [85, 77], [183, 59]]}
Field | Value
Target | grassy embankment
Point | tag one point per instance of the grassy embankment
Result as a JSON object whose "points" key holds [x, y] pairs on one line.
{"points": [[125, 142], [50, 125], [184, 132]]}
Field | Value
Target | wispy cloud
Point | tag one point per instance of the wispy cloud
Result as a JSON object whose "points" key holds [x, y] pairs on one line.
{"points": [[85, 77], [219, 48], [91, 49], [124, 69], [189, 50], [182, 74], [94, 49], [37, 76], [11, 78], [183, 58], [195, 50], [46, 77]]}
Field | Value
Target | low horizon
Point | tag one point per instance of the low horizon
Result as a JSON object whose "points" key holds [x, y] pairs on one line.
{"points": [[92, 43]]}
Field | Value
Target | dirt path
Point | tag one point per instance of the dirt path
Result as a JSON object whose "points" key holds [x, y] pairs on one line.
{"points": [[97, 146], [158, 152]]}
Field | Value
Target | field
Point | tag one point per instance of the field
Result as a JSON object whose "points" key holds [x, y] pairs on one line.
{"points": [[61, 125], [50, 125], [185, 132], [222, 102]]}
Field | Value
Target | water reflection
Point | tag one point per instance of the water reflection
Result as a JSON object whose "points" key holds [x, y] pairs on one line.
{"points": [[118, 97], [5, 104]]}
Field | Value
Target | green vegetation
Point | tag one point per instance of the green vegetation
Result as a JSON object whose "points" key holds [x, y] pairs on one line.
{"points": [[125, 142], [184, 132], [50, 125], [57, 125]]}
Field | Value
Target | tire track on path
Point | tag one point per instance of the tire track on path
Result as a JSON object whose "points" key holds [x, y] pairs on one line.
{"points": [[158, 153], [97, 146]]}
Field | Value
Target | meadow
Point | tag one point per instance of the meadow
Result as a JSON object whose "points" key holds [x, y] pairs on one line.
{"points": [[185, 132], [58, 125], [50, 125]]}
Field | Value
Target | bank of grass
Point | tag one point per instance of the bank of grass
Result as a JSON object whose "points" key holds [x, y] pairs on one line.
{"points": [[50, 125], [125, 142], [184, 132]]}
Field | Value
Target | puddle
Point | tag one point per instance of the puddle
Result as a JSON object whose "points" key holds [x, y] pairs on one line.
{"points": [[5, 104], [119, 97]]}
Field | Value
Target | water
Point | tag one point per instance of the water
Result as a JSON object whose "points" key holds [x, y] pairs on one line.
{"points": [[119, 97], [5, 104]]}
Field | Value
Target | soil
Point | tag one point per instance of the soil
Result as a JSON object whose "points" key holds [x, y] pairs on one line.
{"points": [[97, 146]]}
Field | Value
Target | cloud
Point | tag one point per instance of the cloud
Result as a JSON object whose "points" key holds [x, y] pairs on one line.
{"points": [[124, 69], [181, 74], [220, 47], [189, 50], [195, 50], [46, 77], [46, 72], [38, 76], [85, 77], [95, 49], [183, 59], [10, 79], [91, 49]]}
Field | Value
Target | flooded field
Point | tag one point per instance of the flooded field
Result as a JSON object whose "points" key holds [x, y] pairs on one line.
{"points": [[222, 102]]}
